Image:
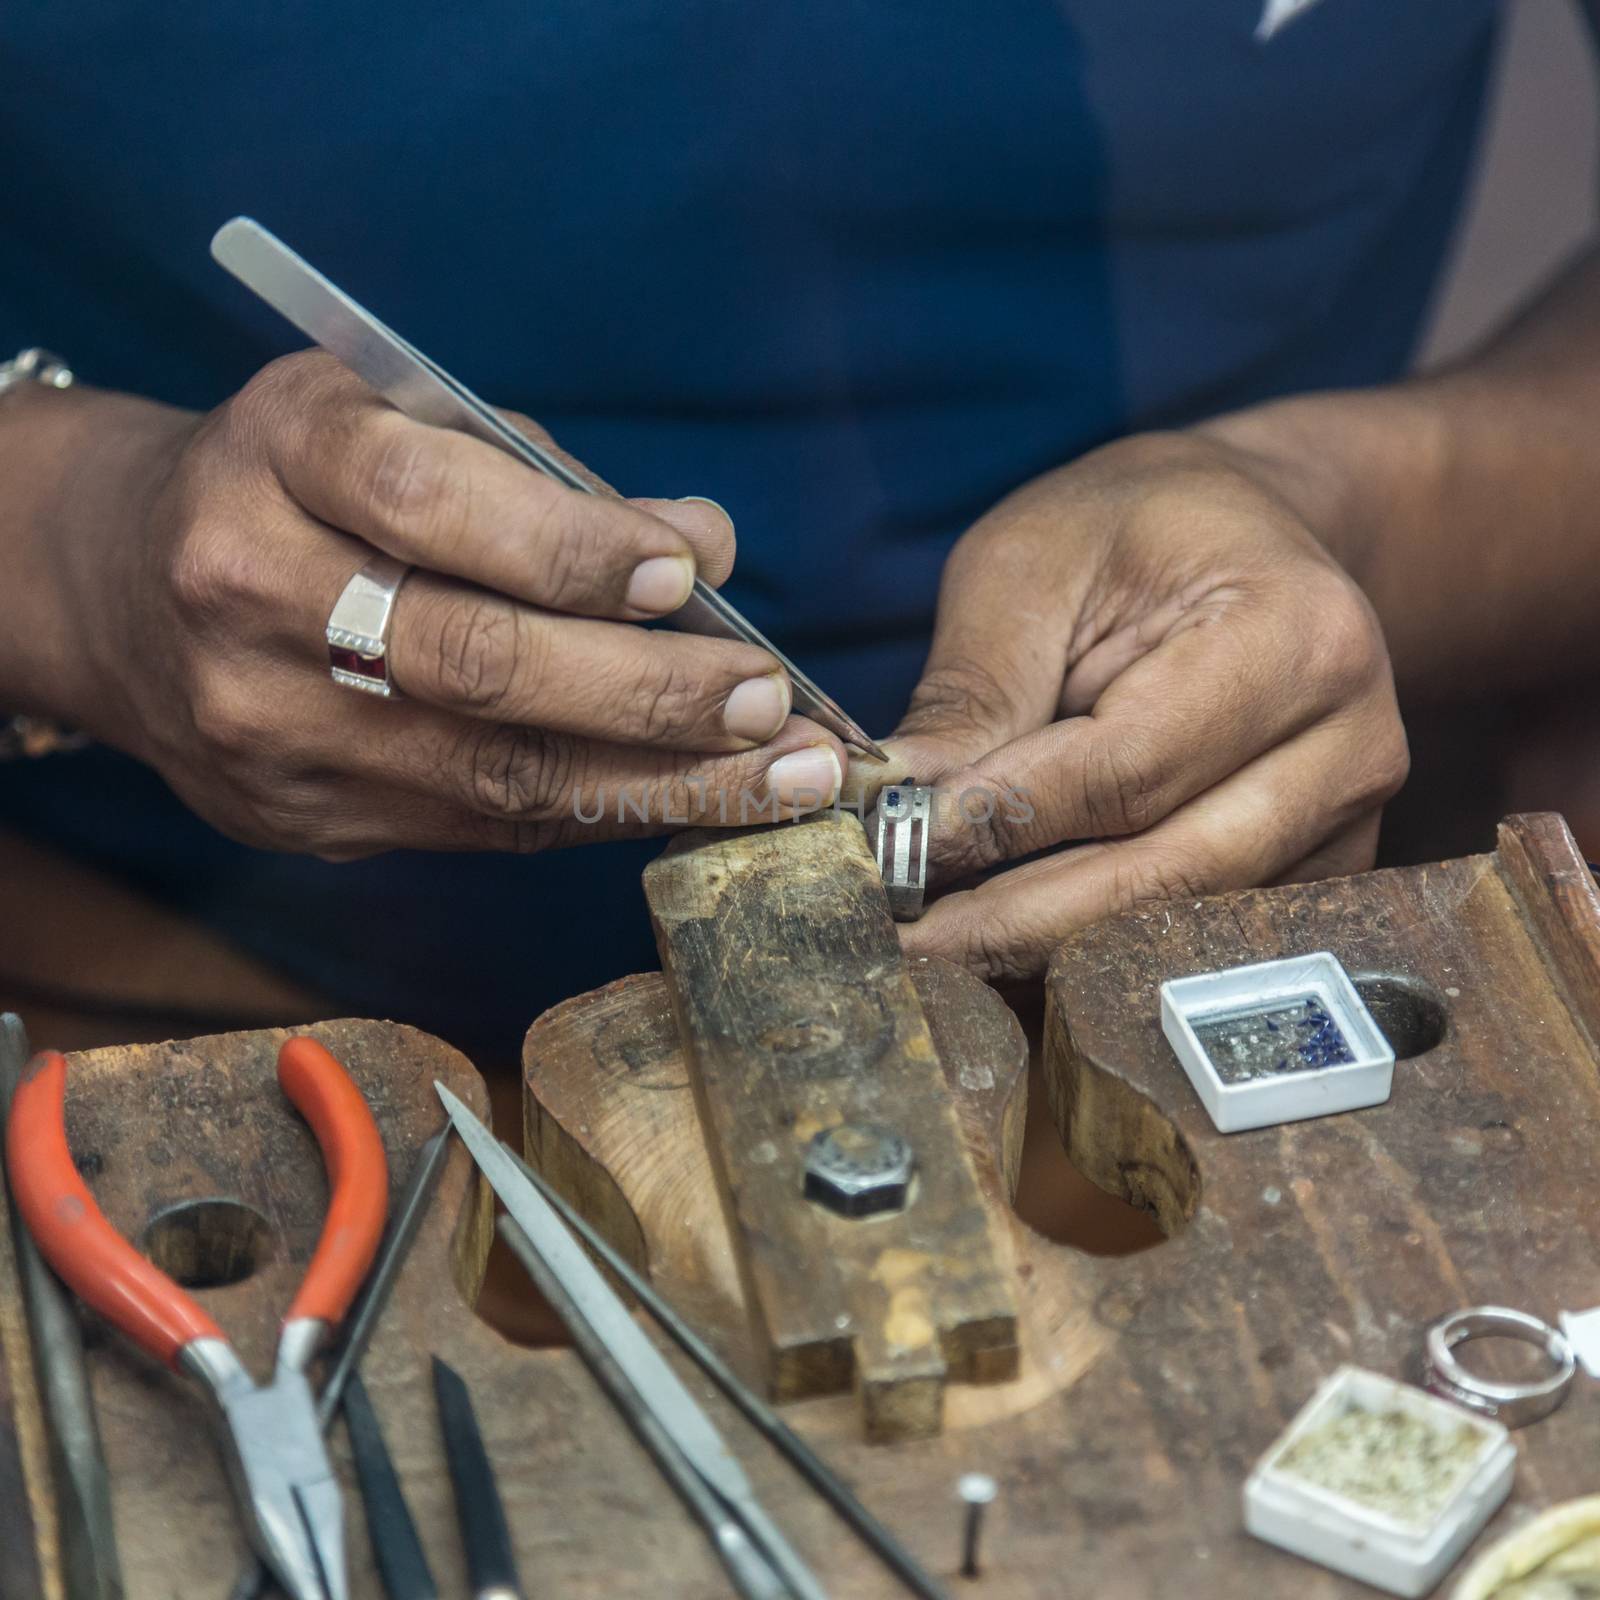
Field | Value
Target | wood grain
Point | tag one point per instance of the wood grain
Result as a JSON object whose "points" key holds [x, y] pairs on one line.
{"points": [[798, 1015], [30, 1565], [1555, 892], [1292, 1249], [1150, 1384], [611, 1120]]}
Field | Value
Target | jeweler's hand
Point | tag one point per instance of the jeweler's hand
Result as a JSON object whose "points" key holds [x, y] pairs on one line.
{"points": [[532, 697], [1147, 667]]}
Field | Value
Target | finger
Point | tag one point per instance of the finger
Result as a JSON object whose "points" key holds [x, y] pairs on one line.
{"points": [[1353, 850], [469, 651], [575, 790], [994, 668], [707, 527], [865, 777], [372, 818], [1277, 811], [1178, 720], [451, 503]]}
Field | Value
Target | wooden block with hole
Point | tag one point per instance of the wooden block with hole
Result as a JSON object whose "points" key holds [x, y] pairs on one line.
{"points": [[805, 1035], [1148, 1384]]}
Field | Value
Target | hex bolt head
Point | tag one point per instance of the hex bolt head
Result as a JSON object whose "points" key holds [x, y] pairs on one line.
{"points": [[859, 1169]]}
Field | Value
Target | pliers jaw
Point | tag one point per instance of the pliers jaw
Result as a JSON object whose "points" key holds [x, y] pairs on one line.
{"points": [[283, 1479], [288, 1495]]}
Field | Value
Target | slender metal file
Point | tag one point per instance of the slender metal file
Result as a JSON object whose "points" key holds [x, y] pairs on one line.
{"points": [[412, 383], [646, 1369], [396, 1545], [89, 1562], [749, 1571], [755, 1410], [485, 1534]]}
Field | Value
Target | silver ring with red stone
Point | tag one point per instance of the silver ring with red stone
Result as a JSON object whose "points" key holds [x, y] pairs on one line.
{"points": [[358, 628]]}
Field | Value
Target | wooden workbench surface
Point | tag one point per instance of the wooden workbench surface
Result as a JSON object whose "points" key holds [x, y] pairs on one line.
{"points": [[1150, 1383]]}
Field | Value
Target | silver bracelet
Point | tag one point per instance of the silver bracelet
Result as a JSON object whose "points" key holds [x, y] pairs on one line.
{"points": [[35, 736], [28, 738], [35, 366]]}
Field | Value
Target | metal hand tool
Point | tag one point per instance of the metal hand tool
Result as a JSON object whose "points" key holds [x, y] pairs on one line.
{"points": [[754, 1409], [363, 1316], [749, 1571], [491, 1559], [660, 1391], [283, 1481], [402, 1562], [411, 383], [90, 1566]]}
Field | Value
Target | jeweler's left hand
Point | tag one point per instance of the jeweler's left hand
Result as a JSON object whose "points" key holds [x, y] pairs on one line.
{"points": [[1156, 674]]}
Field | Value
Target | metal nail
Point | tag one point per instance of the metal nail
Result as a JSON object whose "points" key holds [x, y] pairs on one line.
{"points": [[975, 1491]]}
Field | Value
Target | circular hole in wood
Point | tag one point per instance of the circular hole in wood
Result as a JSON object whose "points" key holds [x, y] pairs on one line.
{"points": [[1411, 1013], [207, 1244]]}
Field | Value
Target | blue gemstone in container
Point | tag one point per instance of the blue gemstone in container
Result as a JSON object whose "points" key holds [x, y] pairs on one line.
{"points": [[1294, 1035]]}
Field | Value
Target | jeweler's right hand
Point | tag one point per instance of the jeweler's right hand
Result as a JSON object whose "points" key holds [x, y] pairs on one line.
{"points": [[531, 694]]}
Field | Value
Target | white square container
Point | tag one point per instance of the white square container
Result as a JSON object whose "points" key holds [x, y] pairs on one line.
{"points": [[1582, 1329], [1404, 1557], [1235, 1103]]}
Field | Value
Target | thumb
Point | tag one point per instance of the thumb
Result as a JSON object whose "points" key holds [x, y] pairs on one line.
{"points": [[994, 671]]}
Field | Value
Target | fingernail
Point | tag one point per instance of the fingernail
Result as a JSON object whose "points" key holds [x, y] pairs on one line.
{"points": [[704, 500], [661, 584], [809, 777], [757, 708]]}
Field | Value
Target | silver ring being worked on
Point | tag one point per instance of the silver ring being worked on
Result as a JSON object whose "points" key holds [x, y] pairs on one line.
{"points": [[358, 628], [1512, 1404], [900, 828]]}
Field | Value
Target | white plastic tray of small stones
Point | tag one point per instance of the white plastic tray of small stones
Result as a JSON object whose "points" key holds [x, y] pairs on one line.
{"points": [[1323, 1054], [1415, 1518]]}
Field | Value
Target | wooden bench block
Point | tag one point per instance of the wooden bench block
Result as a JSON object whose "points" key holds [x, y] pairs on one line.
{"points": [[797, 1012]]}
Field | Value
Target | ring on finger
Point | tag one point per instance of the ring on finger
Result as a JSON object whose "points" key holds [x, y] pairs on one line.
{"points": [[358, 628], [899, 830]]}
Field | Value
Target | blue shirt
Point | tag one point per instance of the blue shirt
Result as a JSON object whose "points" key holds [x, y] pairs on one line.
{"points": [[855, 268]]}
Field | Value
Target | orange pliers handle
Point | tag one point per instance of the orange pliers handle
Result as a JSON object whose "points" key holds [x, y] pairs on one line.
{"points": [[108, 1274], [358, 1173]]}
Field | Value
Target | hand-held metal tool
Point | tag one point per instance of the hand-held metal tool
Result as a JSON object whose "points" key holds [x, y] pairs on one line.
{"points": [[751, 1574], [411, 383], [491, 1559], [363, 1315], [593, 1302], [396, 1546], [90, 1566], [762, 1417], [284, 1483]]}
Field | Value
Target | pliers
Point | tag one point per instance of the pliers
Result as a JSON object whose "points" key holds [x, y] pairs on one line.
{"points": [[282, 1478]]}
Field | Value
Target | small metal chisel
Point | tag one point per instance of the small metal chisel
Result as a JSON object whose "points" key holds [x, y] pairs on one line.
{"points": [[485, 1537], [396, 1546]]}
